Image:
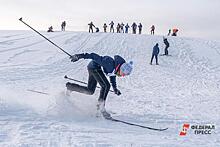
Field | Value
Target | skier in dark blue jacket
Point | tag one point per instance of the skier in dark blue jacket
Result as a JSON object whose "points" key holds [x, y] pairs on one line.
{"points": [[96, 68], [155, 53]]}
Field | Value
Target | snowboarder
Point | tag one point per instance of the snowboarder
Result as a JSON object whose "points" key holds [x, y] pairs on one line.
{"points": [[152, 30], [105, 27], [134, 27], [112, 26], [96, 69], [167, 45], [140, 28], [63, 25], [126, 28], [50, 29], [91, 25], [155, 53]]}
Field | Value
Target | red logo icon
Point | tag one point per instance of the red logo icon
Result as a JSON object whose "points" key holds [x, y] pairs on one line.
{"points": [[184, 130]]}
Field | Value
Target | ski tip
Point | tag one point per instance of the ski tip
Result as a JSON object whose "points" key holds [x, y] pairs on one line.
{"points": [[20, 19], [65, 76]]}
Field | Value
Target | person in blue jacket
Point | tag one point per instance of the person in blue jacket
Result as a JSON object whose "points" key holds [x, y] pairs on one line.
{"points": [[155, 53], [98, 68]]}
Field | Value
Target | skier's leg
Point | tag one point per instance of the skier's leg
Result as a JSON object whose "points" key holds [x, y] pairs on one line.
{"points": [[156, 56], [152, 57], [90, 89]]}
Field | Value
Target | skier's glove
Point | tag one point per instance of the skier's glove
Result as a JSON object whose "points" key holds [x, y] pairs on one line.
{"points": [[74, 58], [117, 91]]}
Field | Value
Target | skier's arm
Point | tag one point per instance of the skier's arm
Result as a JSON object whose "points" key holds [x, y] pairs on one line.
{"points": [[93, 56], [113, 82]]}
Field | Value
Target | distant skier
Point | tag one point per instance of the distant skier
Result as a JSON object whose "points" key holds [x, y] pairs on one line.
{"points": [[167, 45], [175, 32], [63, 25], [126, 28], [50, 29], [140, 28], [91, 25], [134, 27], [118, 28], [152, 30], [112, 26], [169, 32], [155, 53], [105, 27], [122, 27], [96, 69]]}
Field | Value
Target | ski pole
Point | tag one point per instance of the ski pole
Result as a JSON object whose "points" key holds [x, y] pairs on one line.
{"points": [[44, 37], [66, 77]]}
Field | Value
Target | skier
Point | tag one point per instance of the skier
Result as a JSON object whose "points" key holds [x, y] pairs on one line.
{"points": [[63, 25], [126, 28], [152, 30], [169, 32], [50, 29], [167, 45], [140, 28], [111, 67], [91, 25], [105, 27], [155, 53], [134, 27], [112, 26]]}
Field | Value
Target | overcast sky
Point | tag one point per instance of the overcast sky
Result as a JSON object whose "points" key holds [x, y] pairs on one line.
{"points": [[194, 18]]}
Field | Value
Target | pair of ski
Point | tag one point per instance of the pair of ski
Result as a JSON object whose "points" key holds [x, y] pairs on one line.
{"points": [[133, 124]]}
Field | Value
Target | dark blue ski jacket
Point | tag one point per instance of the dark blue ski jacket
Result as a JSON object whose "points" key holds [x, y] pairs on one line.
{"points": [[106, 62], [156, 50]]}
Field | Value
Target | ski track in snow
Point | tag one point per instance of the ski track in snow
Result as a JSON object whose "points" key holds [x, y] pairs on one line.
{"points": [[184, 88]]}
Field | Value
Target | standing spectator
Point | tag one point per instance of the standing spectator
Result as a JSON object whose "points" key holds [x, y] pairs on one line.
{"points": [[140, 28], [63, 25], [91, 25], [118, 28], [175, 32], [50, 29], [167, 45], [112, 26], [134, 27], [169, 32], [155, 53], [152, 30], [122, 28], [126, 28], [105, 27]]}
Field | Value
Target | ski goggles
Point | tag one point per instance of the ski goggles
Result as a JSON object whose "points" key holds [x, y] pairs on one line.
{"points": [[118, 71]]}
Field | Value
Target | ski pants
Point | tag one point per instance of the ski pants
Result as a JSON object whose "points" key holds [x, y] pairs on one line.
{"points": [[156, 57], [95, 76]]}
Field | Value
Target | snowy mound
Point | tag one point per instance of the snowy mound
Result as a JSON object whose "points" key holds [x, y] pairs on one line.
{"points": [[184, 88]]}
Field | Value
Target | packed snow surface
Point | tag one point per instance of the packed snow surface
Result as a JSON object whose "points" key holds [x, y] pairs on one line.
{"points": [[34, 110]]}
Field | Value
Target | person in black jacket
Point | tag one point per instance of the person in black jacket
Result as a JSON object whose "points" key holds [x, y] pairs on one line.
{"points": [[155, 53], [99, 65], [167, 45], [91, 25]]}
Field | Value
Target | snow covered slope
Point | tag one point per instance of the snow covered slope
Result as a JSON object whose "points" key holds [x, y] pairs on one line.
{"points": [[184, 88]]}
